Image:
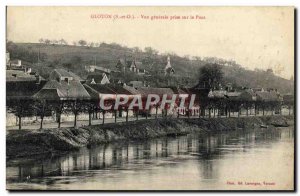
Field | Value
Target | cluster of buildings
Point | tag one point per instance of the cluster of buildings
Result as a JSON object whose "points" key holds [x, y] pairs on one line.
{"points": [[64, 85], [141, 69]]}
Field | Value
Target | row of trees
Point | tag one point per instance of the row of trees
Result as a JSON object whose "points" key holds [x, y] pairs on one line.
{"points": [[42, 108], [82, 42], [53, 42]]}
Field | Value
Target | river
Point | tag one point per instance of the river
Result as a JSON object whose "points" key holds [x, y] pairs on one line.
{"points": [[255, 159]]}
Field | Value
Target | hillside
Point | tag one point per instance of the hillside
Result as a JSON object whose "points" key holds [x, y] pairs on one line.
{"points": [[107, 55]]}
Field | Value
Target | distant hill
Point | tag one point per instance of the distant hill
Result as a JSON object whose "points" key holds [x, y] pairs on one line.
{"points": [[107, 55]]}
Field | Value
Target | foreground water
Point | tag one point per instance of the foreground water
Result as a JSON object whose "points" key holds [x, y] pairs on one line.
{"points": [[256, 159]]}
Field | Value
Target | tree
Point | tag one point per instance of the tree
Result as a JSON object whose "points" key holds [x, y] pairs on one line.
{"points": [[150, 51], [82, 42], [47, 41], [41, 40], [21, 108], [75, 106], [136, 50], [211, 75], [63, 42]]}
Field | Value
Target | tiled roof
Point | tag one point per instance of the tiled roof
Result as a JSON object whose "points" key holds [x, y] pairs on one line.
{"points": [[118, 89], [48, 94], [65, 73], [98, 77], [107, 89], [144, 91], [18, 75], [72, 90]]}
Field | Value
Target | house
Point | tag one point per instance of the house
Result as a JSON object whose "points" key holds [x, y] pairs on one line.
{"points": [[137, 67], [169, 70], [12, 63], [97, 78], [122, 64], [133, 66], [97, 69], [64, 85], [20, 88], [145, 91], [16, 63], [64, 75], [109, 93], [186, 92]]}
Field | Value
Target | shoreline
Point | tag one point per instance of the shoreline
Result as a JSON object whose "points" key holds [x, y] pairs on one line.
{"points": [[25, 143]]}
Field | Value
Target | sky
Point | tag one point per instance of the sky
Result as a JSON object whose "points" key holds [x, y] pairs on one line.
{"points": [[255, 37]]}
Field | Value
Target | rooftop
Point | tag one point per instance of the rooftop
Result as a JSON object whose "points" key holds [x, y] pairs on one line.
{"points": [[68, 90]]}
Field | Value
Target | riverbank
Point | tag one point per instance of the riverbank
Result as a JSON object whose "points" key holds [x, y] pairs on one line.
{"points": [[22, 143]]}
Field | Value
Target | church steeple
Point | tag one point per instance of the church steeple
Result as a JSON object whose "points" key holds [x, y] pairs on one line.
{"points": [[169, 63], [169, 69]]}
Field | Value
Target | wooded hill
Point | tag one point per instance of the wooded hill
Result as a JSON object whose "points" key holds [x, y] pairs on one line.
{"points": [[43, 58]]}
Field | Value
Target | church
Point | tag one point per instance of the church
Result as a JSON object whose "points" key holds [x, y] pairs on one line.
{"points": [[169, 70]]}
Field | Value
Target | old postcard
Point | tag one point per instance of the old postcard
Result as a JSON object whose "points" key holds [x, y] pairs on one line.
{"points": [[150, 98]]}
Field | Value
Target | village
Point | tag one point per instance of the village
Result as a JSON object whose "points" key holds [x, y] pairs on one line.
{"points": [[67, 100]]}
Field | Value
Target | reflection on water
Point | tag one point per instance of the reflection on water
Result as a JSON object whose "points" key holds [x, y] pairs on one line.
{"points": [[186, 162]]}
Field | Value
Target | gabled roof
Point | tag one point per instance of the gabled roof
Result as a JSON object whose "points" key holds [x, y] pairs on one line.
{"points": [[107, 89], [98, 77], [48, 94], [65, 73], [137, 64], [68, 90]]}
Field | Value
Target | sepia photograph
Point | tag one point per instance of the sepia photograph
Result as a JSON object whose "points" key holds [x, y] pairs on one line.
{"points": [[187, 98]]}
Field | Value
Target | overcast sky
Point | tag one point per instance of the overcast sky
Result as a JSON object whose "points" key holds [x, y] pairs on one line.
{"points": [[254, 37]]}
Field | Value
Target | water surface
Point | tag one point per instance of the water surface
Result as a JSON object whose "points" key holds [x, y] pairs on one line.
{"points": [[256, 159]]}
